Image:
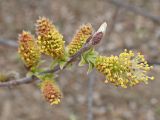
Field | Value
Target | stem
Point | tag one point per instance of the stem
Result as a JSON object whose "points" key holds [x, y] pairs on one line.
{"points": [[135, 9], [33, 78]]}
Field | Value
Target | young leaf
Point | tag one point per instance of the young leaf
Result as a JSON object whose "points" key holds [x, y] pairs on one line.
{"points": [[90, 67], [48, 76], [88, 57], [62, 64], [82, 62]]}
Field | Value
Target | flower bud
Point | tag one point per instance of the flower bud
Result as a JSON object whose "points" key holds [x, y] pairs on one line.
{"points": [[28, 49], [49, 39], [97, 38], [80, 39], [127, 69]]}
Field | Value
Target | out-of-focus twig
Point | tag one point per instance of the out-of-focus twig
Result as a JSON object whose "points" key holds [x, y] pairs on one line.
{"points": [[113, 22], [10, 43], [137, 10], [90, 96], [153, 63]]}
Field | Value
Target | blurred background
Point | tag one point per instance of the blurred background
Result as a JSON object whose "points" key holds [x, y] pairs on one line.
{"points": [[132, 24]]}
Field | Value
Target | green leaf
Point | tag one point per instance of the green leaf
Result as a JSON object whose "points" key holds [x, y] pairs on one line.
{"points": [[62, 64], [53, 64], [34, 71], [47, 76], [89, 57], [87, 53], [82, 61], [63, 61], [90, 67]]}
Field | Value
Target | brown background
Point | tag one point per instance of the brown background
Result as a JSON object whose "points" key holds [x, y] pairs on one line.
{"points": [[130, 31]]}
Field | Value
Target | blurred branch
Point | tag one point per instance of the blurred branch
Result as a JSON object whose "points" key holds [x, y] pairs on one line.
{"points": [[153, 63], [90, 96], [11, 43], [113, 22], [137, 10], [24, 80]]}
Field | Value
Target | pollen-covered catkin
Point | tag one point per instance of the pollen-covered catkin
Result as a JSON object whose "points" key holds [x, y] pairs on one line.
{"points": [[28, 49], [79, 39], [127, 69], [51, 92], [49, 39]]}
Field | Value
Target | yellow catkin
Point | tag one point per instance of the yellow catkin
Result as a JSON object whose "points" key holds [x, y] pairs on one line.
{"points": [[80, 38], [49, 39], [51, 92], [28, 49], [127, 69]]}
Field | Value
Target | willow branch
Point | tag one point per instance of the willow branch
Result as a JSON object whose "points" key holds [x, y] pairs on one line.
{"points": [[137, 10], [90, 43], [11, 43], [113, 23], [33, 78]]}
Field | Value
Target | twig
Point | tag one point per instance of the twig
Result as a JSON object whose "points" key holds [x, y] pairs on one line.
{"points": [[137, 10], [11, 43], [86, 47], [90, 96], [153, 63], [26, 80]]}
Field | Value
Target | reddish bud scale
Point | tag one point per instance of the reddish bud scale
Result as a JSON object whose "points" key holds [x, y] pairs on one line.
{"points": [[97, 38]]}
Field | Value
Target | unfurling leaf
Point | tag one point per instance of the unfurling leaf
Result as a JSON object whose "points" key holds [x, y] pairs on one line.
{"points": [[88, 57]]}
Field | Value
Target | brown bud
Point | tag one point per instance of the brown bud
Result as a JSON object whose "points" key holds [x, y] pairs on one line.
{"points": [[97, 38]]}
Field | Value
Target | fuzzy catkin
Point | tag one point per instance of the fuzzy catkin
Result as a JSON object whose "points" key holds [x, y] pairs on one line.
{"points": [[51, 92], [127, 69], [80, 39], [28, 49], [49, 39]]}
